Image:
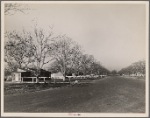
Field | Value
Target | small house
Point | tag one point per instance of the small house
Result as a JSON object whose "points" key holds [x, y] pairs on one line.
{"points": [[58, 75], [29, 75]]}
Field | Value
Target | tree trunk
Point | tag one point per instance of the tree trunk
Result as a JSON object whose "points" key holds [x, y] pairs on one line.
{"points": [[64, 74], [37, 79], [78, 73]]}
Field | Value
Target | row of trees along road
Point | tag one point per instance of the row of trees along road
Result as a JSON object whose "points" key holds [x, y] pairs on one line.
{"points": [[135, 68], [38, 48], [41, 47]]}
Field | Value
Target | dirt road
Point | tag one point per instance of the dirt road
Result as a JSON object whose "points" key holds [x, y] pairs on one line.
{"points": [[111, 94]]}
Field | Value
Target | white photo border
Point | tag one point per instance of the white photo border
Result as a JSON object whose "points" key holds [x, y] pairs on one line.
{"points": [[3, 114]]}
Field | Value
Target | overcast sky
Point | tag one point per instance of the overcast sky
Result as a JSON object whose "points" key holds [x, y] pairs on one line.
{"points": [[113, 33]]}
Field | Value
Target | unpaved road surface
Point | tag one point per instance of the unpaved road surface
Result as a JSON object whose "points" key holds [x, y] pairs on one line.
{"points": [[107, 95]]}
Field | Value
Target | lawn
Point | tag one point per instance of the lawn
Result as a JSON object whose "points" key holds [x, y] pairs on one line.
{"points": [[20, 88]]}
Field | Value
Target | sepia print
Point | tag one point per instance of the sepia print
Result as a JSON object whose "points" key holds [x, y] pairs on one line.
{"points": [[74, 59]]}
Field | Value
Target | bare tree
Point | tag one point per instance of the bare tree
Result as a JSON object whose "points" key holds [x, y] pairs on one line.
{"points": [[135, 68], [114, 72], [42, 49], [86, 61], [63, 53], [18, 49], [97, 68], [54, 67], [89, 65], [76, 59], [12, 8], [73, 60], [29, 48]]}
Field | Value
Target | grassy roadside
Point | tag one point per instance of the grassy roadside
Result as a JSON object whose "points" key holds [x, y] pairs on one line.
{"points": [[133, 77], [20, 88]]}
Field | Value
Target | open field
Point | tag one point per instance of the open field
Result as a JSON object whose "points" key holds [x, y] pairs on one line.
{"points": [[109, 95]]}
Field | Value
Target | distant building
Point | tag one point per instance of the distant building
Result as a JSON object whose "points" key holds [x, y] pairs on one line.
{"points": [[138, 74], [28, 75], [58, 75]]}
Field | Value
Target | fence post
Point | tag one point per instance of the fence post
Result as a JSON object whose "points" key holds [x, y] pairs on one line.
{"points": [[33, 80]]}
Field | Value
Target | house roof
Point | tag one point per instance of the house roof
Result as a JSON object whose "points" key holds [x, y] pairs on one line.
{"points": [[19, 70], [56, 74]]}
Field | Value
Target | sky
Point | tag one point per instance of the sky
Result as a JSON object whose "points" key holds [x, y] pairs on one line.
{"points": [[113, 33]]}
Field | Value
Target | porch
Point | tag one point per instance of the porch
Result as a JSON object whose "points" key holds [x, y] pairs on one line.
{"points": [[35, 80]]}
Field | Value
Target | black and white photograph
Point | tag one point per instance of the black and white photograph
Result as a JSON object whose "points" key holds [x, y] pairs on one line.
{"points": [[74, 58]]}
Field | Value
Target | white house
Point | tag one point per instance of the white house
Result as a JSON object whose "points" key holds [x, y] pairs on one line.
{"points": [[17, 75], [58, 75]]}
